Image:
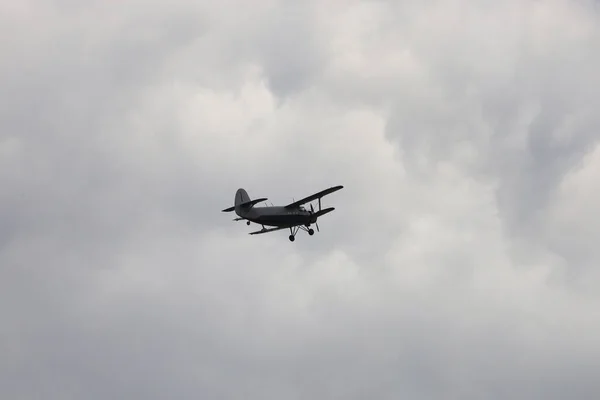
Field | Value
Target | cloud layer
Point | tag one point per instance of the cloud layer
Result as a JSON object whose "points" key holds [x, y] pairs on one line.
{"points": [[460, 262]]}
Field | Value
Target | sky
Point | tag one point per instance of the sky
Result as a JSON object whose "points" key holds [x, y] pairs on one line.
{"points": [[461, 261]]}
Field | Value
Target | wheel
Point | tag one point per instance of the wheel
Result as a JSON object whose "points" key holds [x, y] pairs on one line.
{"points": [[247, 222], [292, 238], [311, 231]]}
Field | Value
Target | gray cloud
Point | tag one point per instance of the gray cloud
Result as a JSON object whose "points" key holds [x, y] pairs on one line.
{"points": [[461, 259]]}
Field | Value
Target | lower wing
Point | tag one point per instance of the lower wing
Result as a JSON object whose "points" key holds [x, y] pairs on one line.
{"points": [[268, 230], [323, 212]]}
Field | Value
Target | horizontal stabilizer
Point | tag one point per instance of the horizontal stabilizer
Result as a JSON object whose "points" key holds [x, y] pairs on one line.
{"points": [[252, 202], [247, 204]]}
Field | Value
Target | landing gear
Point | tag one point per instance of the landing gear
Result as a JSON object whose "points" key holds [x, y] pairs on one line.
{"points": [[294, 230]]}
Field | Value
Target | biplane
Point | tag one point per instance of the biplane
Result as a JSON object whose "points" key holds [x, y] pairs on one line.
{"points": [[293, 216]]}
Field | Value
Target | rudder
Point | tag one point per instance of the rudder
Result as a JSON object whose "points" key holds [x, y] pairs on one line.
{"points": [[241, 196]]}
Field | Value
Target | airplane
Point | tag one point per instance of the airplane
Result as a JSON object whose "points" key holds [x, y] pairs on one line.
{"points": [[292, 216]]}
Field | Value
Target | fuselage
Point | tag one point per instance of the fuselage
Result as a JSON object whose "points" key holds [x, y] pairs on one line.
{"points": [[276, 216]]}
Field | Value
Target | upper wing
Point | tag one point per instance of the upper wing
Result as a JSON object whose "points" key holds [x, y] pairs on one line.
{"points": [[314, 196], [268, 230]]}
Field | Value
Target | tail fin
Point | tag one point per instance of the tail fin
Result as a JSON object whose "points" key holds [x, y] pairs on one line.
{"points": [[242, 200], [241, 196]]}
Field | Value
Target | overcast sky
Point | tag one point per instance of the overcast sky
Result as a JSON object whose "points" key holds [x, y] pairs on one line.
{"points": [[462, 261]]}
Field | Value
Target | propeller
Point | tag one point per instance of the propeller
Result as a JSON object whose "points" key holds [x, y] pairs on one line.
{"points": [[312, 211]]}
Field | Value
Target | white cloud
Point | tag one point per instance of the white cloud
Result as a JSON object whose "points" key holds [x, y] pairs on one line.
{"points": [[460, 261]]}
